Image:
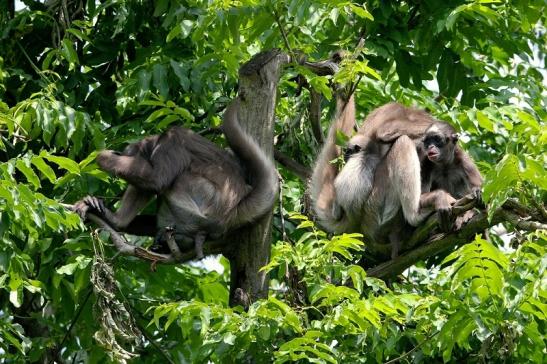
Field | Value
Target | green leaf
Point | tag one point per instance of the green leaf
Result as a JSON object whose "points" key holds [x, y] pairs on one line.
{"points": [[62, 162], [158, 113], [361, 12], [484, 121], [159, 79], [23, 165], [68, 51]]}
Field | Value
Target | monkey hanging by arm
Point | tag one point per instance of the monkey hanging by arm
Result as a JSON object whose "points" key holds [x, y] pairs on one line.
{"points": [[202, 190], [447, 167], [322, 188]]}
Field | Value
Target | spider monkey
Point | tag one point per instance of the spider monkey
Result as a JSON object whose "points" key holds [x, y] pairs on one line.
{"points": [[203, 191], [378, 192], [445, 166]]}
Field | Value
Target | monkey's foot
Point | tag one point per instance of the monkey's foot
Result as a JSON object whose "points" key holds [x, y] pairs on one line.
{"points": [[462, 219], [161, 245]]}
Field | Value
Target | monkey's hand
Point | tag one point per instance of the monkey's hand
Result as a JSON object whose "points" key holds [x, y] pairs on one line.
{"points": [[477, 195], [89, 204], [445, 212], [461, 220], [446, 218], [160, 241]]}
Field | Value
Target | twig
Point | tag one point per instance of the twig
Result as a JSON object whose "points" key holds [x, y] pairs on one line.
{"points": [[73, 322], [283, 34], [411, 350]]}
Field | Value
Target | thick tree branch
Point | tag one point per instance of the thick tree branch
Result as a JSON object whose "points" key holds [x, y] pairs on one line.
{"points": [[315, 116], [431, 246], [177, 256]]}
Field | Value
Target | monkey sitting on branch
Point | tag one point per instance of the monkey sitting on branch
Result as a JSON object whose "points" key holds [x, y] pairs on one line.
{"points": [[203, 192], [446, 166], [378, 192]]}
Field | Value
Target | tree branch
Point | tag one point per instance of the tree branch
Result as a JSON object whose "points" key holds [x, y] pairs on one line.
{"points": [[315, 116], [430, 246], [298, 169], [177, 256]]}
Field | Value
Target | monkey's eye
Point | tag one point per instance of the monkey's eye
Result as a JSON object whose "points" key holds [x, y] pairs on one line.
{"points": [[434, 139], [351, 150]]}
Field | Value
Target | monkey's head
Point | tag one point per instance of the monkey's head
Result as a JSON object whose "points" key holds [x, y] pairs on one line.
{"points": [[439, 143], [144, 147], [357, 143]]}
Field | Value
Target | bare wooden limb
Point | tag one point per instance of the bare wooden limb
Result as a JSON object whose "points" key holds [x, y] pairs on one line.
{"points": [[323, 68], [298, 169], [431, 246], [315, 116], [177, 256], [251, 246]]}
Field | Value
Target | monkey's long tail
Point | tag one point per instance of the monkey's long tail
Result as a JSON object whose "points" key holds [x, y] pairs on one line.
{"points": [[262, 171]]}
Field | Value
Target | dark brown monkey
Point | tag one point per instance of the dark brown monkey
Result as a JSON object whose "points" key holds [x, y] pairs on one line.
{"points": [[445, 166], [378, 192], [202, 190]]}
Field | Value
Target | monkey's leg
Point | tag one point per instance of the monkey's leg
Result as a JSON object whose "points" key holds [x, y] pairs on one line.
{"points": [[396, 244], [198, 241]]}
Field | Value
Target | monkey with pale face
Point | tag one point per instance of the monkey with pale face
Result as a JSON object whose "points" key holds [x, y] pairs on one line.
{"points": [[203, 192]]}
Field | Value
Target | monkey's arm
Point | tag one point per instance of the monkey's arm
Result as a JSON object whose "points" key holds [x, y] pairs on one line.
{"points": [[440, 201], [324, 173], [124, 219], [393, 129]]}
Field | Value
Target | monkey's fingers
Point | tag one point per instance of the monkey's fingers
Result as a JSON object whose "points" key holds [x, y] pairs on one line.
{"points": [[446, 219], [94, 203], [477, 194], [81, 209]]}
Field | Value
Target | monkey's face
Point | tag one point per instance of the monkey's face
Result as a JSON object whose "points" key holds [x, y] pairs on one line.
{"points": [[439, 147], [356, 144]]}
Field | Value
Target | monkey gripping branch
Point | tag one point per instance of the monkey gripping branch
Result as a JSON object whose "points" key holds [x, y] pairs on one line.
{"points": [[248, 247]]}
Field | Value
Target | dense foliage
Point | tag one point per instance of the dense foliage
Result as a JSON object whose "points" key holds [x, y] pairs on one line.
{"points": [[78, 76]]}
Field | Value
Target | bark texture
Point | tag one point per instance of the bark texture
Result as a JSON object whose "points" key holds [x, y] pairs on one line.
{"points": [[251, 246]]}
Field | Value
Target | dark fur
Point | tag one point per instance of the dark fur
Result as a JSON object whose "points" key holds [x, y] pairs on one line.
{"points": [[447, 167], [202, 190]]}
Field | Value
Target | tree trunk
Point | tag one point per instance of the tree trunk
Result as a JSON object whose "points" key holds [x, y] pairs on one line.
{"points": [[258, 81]]}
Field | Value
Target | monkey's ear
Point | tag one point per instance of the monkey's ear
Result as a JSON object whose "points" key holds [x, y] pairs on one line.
{"points": [[455, 137]]}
